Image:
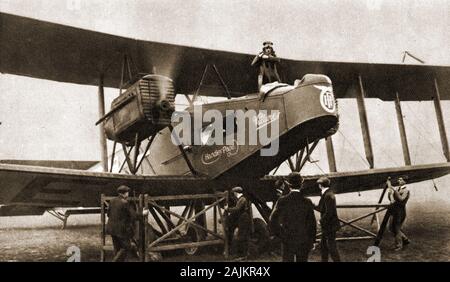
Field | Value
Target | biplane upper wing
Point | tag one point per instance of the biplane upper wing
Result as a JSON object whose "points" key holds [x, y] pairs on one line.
{"points": [[40, 188], [56, 52]]}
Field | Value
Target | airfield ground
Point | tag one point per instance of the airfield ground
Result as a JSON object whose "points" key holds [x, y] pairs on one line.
{"points": [[40, 239]]}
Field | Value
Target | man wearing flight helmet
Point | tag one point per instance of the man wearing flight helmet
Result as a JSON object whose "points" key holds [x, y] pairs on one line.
{"points": [[267, 62]]}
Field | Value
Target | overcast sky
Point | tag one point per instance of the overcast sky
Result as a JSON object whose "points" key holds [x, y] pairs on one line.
{"points": [[49, 120]]}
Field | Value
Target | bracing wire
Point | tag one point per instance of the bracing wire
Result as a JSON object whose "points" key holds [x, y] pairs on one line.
{"points": [[318, 166], [354, 148], [420, 133]]}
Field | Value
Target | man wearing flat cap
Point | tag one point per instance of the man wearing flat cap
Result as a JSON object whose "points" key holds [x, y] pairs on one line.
{"points": [[267, 62], [328, 220], [239, 217], [121, 219], [294, 222]]}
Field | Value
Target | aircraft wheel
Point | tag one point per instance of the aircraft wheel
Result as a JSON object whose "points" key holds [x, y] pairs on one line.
{"points": [[192, 235], [260, 236]]}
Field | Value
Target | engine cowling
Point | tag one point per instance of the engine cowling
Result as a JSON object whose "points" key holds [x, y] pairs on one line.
{"points": [[144, 109]]}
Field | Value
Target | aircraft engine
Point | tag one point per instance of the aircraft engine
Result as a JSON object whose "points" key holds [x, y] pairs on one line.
{"points": [[142, 110]]}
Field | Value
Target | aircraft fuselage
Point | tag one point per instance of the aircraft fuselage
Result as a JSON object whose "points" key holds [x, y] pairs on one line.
{"points": [[304, 113]]}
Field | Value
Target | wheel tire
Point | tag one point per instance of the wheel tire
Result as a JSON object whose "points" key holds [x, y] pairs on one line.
{"points": [[192, 235], [260, 235]]}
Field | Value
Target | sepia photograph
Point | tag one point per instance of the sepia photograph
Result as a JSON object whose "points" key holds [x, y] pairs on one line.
{"points": [[241, 132]]}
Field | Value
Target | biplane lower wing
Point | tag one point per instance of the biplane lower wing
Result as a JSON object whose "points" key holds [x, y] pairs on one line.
{"points": [[356, 181], [83, 165], [55, 187], [40, 188], [22, 210]]}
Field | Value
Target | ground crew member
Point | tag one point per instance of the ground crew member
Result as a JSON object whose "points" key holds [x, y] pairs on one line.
{"points": [[239, 217], [267, 62], [294, 222], [282, 187], [398, 199], [328, 220], [121, 219]]}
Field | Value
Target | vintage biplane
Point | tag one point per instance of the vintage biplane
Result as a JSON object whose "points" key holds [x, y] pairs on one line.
{"points": [[150, 74]]}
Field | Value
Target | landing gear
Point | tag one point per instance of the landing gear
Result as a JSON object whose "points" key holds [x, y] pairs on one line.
{"points": [[64, 216], [367, 234], [260, 242], [166, 230], [298, 160]]}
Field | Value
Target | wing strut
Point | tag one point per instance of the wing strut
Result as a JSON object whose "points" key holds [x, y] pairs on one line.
{"points": [[222, 82], [401, 127], [440, 120], [113, 156], [330, 154], [364, 122], [134, 163], [101, 113]]}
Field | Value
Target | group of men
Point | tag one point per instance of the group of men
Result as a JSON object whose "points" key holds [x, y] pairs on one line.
{"points": [[294, 222]]}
